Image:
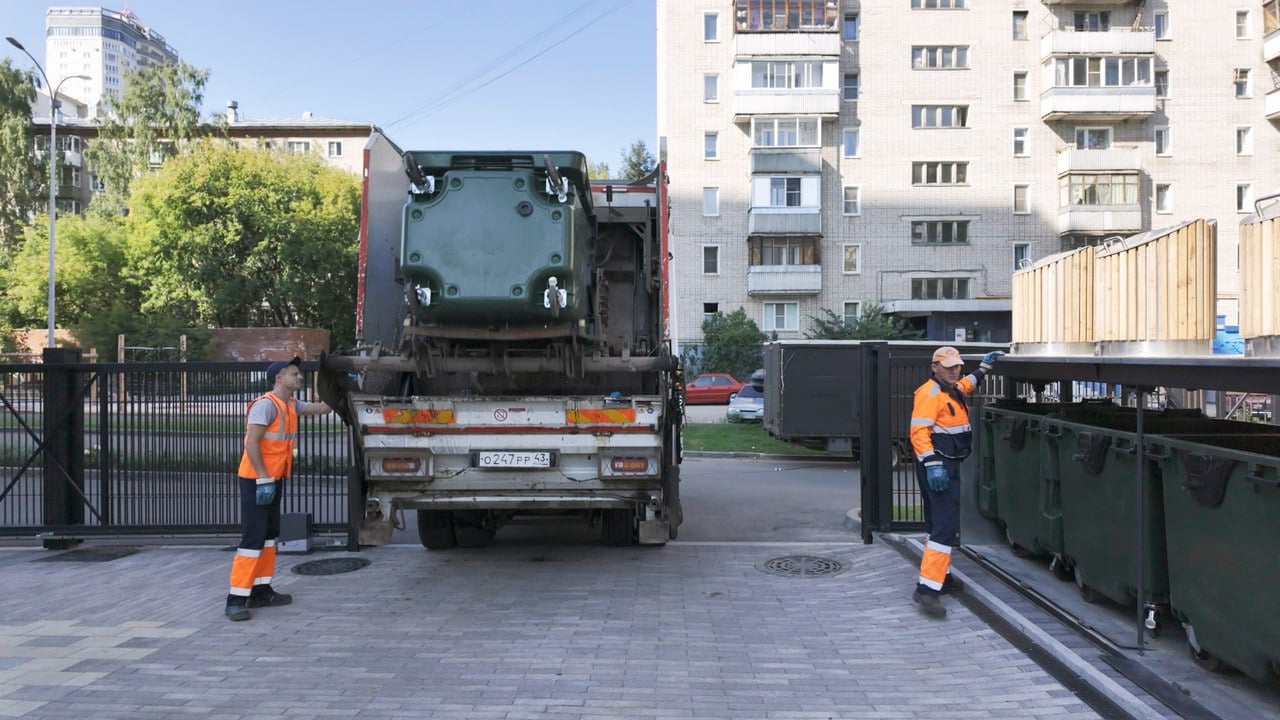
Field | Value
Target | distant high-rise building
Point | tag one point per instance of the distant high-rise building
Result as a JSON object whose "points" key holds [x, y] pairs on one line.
{"points": [[101, 44]]}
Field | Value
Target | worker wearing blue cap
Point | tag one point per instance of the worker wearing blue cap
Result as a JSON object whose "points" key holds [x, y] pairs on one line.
{"points": [[271, 433]]}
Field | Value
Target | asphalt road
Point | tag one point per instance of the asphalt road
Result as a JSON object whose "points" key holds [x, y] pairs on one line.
{"points": [[725, 500]]}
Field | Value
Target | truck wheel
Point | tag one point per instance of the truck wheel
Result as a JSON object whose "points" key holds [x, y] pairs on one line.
{"points": [[619, 527], [435, 529], [471, 530]]}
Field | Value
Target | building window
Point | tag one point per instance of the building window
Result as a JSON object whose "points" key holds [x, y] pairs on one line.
{"points": [[851, 27], [1102, 71], [849, 143], [1019, 24], [852, 311], [786, 74], [852, 259], [711, 88], [1244, 197], [96, 185], [784, 132], [711, 146], [1164, 146], [1021, 255], [71, 207], [939, 116], [781, 316], [335, 148], [1161, 20], [852, 200], [1244, 140], [1093, 138], [709, 311], [1242, 25], [1021, 199], [1244, 83], [1092, 21], [710, 201], [1270, 16], [297, 147], [1020, 86], [784, 192], [710, 259], [1162, 84], [778, 250], [939, 57], [1164, 198], [711, 27], [1020, 144], [939, 232], [939, 173], [937, 4], [1098, 189], [786, 15], [940, 288], [850, 88]]}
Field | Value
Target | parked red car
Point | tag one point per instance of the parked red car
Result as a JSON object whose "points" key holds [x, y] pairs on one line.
{"points": [[711, 389]]}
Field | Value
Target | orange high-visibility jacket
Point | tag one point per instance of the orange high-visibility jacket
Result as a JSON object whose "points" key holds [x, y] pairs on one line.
{"points": [[277, 443], [940, 419]]}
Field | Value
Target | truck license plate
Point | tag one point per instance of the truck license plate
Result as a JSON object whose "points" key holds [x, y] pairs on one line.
{"points": [[512, 459]]}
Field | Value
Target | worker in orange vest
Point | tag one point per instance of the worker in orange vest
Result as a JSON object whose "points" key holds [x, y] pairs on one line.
{"points": [[942, 437], [271, 433]]}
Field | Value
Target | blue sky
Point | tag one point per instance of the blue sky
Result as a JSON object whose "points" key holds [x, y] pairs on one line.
{"points": [[433, 74]]}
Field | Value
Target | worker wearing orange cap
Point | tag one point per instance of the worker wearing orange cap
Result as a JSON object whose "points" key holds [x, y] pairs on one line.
{"points": [[941, 437]]}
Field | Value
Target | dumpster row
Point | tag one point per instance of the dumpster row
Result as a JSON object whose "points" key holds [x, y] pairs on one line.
{"points": [[1061, 479]]}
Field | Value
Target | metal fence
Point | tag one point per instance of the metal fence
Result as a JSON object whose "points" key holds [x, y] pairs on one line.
{"points": [[148, 449]]}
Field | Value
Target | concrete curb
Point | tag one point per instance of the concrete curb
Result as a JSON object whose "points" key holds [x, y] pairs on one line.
{"points": [[766, 456]]}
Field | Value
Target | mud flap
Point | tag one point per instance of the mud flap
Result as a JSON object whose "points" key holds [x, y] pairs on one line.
{"points": [[654, 532]]}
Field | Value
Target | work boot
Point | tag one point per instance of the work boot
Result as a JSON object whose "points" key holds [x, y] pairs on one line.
{"points": [[930, 603], [952, 584], [236, 609], [265, 596]]}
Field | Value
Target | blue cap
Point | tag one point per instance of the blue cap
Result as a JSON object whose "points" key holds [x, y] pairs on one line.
{"points": [[274, 368]]}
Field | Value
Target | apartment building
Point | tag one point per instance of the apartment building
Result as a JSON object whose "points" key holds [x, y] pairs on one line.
{"points": [[913, 153], [101, 45]]}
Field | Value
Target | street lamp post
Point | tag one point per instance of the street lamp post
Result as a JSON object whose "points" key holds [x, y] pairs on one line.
{"points": [[53, 174]]}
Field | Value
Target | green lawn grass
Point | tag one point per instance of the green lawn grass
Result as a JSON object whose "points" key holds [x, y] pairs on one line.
{"points": [[740, 437]]}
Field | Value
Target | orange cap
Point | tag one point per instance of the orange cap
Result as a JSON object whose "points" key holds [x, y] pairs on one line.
{"points": [[947, 356]]}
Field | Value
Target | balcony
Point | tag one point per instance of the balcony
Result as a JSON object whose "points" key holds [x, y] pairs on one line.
{"points": [[784, 280], [1271, 46], [1118, 41], [1273, 105], [1098, 104], [820, 102], [1114, 159], [825, 43], [1100, 219], [1088, 3], [786, 161], [72, 158], [784, 221]]}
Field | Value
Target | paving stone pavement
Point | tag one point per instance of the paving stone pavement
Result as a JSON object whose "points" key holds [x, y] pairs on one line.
{"points": [[688, 630]]}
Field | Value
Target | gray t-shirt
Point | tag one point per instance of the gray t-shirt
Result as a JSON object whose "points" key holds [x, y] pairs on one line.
{"points": [[263, 411]]}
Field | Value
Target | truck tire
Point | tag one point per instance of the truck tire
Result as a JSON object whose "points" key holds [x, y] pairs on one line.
{"points": [[619, 527], [471, 530], [435, 529]]}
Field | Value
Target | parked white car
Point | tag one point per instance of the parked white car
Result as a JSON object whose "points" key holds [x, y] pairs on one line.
{"points": [[746, 406]]}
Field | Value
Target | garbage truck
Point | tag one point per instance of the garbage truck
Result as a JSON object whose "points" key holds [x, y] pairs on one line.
{"points": [[512, 351]]}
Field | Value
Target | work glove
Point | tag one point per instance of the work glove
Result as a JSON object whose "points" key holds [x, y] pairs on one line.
{"points": [[990, 359], [937, 477], [266, 491]]}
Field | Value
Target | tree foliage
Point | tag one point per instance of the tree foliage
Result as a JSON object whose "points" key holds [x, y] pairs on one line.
{"points": [[158, 110], [23, 178], [230, 237], [637, 161], [870, 324], [732, 344], [598, 171]]}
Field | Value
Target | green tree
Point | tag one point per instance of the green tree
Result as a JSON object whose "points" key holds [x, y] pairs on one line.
{"points": [[732, 344], [637, 161], [157, 112], [23, 178], [598, 171], [870, 324], [229, 237]]}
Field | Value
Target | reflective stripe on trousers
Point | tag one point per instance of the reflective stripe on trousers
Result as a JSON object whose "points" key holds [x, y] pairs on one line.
{"points": [[255, 559], [942, 522]]}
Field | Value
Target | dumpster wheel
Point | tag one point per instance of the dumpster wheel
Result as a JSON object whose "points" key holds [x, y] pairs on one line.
{"points": [[1087, 593], [1017, 550], [1061, 569], [1205, 659]]}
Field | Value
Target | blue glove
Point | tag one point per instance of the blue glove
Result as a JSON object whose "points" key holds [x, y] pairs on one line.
{"points": [[936, 474], [990, 359], [266, 491]]}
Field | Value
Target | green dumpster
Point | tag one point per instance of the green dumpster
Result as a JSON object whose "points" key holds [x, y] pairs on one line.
{"points": [[1222, 522], [1018, 482]]}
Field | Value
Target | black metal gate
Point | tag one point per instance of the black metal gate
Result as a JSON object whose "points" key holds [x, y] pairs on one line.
{"points": [[91, 449]]}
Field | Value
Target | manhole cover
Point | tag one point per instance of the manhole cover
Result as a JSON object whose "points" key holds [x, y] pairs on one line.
{"points": [[801, 566], [103, 554], [329, 566]]}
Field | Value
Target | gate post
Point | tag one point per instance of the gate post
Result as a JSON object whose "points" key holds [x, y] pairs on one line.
{"points": [[873, 442], [63, 475]]}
